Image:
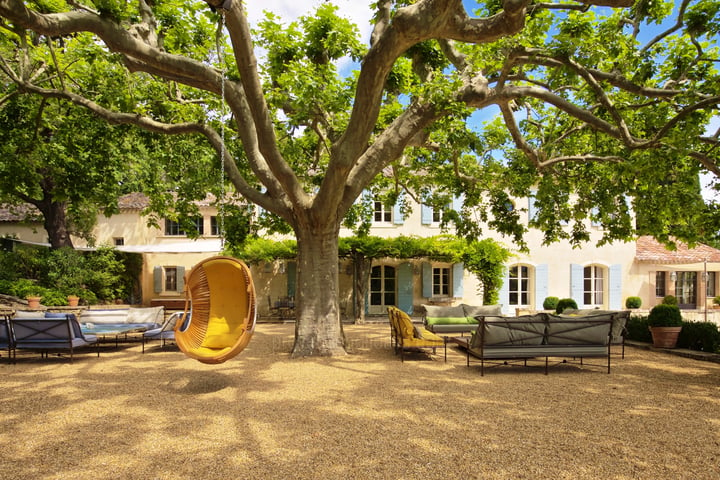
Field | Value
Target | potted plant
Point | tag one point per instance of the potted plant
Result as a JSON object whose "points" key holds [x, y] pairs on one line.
{"points": [[550, 303], [633, 302], [73, 300], [565, 304], [716, 302], [33, 301], [665, 323]]}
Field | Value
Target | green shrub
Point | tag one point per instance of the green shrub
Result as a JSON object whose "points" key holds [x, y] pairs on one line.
{"points": [[669, 300], [565, 303], [550, 303], [703, 336], [633, 302], [637, 329], [104, 274], [716, 300], [665, 315]]}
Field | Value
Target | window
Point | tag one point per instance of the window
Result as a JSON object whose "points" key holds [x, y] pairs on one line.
{"points": [[441, 281], [660, 284], [382, 288], [171, 279], [173, 228], [593, 286], [519, 281], [215, 226], [119, 241], [382, 214], [685, 288], [436, 215], [710, 285]]}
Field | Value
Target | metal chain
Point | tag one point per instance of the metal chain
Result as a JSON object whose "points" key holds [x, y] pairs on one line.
{"points": [[221, 59]]}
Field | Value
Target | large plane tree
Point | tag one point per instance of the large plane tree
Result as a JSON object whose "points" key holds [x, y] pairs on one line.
{"points": [[601, 109]]}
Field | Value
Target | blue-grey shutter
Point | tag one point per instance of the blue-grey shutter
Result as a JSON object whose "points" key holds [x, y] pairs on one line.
{"points": [[291, 272], [180, 278], [541, 285], [457, 203], [158, 279], [405, 288], [427, 280], [458, 269], [615, 287], [426, 214], [504, 294], [397, 213], [577, 275], [532, 210]]}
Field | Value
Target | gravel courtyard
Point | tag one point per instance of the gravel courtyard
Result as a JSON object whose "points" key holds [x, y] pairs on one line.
{"points": [[262, 415]]}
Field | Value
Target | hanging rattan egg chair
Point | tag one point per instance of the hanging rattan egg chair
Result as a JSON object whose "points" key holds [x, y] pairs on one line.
{"points": [[220, 302]]}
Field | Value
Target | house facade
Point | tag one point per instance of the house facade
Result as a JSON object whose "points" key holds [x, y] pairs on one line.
{"points": [[594, 276]]}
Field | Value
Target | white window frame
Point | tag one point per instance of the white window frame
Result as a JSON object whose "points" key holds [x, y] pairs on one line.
{"points": [[595, 286], [520, 289]]}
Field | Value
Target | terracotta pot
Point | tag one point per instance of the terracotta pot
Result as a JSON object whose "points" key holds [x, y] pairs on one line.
{"points": [[665, 337], [73, 300], [33, 302]]}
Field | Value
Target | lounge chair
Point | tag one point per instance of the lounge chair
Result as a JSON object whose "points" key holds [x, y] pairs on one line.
{"points": [[50, 334], [166, 332], [5, 336], [408, 337]]}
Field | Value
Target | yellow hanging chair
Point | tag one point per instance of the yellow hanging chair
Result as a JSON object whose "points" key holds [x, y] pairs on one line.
{"points": [[220, 310]]}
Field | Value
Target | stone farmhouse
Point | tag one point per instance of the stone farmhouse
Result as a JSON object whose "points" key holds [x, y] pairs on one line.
{"points": [[594, 276]]}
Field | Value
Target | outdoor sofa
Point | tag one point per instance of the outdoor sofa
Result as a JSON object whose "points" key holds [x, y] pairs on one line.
{"points": [[46, 332], [457, 319], [542, 335], [118, 322]]}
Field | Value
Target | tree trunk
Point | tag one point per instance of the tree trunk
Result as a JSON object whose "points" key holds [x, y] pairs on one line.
{"points": [[362, 275], [55, 223], [318, 327]]}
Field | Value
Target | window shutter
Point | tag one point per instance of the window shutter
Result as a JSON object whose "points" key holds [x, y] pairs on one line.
{"points": [[541, 285], [158, 279], [180, 278], [405, 288], [532, 210], [504, 293], [397, 214], [615, 287], [577, 275], [426, 214], [457, 203], [458, 269], [427, 280]]}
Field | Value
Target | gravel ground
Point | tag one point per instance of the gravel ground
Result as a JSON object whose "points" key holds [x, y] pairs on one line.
{"points": [[366, 415]]}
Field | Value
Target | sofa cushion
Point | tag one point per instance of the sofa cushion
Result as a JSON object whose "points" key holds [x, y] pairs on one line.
{"points": [[28, 314], [404, 324], [444, 312], [522, 330], [475, 310], [449, 320], [145, 315], [565, 330]]}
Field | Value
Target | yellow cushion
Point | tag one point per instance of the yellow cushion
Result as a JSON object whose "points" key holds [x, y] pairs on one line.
{"points": [[228, 304], [404, 324]]}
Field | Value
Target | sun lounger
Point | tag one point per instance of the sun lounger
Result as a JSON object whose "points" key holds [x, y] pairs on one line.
{"points": [[50, 334]]}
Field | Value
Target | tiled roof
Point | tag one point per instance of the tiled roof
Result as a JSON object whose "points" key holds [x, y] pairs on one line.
{"points": [[649, 250], [133, 201], [139, 201], [18, 213]]}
